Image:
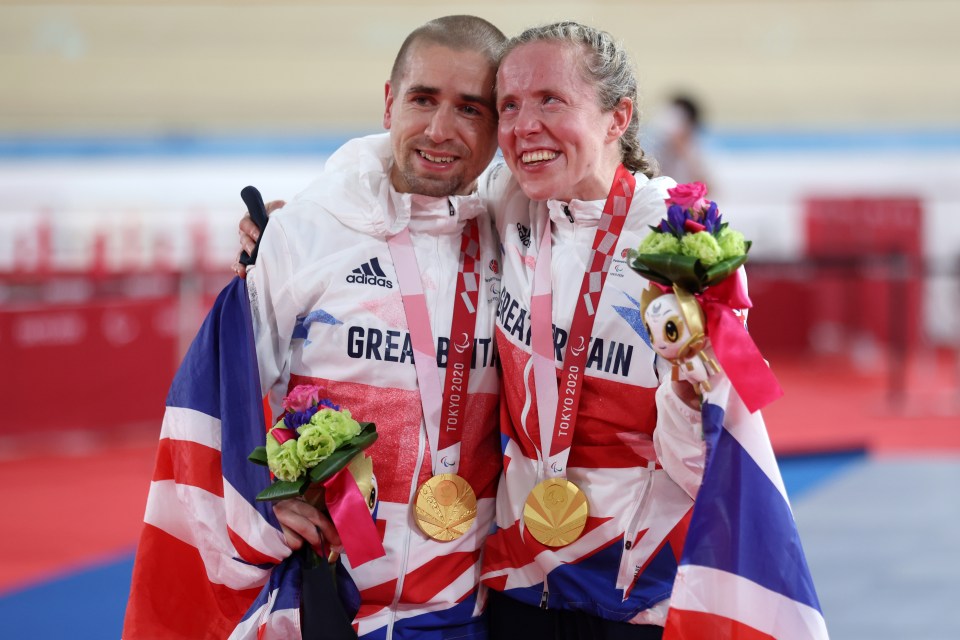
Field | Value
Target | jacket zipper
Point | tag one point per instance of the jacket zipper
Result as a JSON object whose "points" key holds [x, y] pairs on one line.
{"points": [[631, 531], [540, 466], [406, 541]]}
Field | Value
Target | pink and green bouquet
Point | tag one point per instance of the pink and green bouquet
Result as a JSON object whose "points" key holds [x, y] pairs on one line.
{"points": [[692, 247], [312, 441]]}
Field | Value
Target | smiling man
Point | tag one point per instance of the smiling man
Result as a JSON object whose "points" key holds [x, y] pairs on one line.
{"points": [[440, 112], [378, 283], [385, 206]]}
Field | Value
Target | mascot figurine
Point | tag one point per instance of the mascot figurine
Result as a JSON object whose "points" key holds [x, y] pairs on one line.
{"points": [[676, 326]]}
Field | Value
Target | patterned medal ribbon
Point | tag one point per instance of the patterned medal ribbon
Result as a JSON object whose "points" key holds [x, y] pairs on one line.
{"points": [[556, 510], [446, 505]]}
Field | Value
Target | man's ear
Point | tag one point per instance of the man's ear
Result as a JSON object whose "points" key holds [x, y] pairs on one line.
{"points": [[387, 104], [622, 113]]}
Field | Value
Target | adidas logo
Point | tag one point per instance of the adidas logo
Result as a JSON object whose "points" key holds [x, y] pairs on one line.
{"points": [[370, 272], [524, 234]]}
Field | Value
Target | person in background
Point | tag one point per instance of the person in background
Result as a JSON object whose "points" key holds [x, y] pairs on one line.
{"points": [[675, 140]]}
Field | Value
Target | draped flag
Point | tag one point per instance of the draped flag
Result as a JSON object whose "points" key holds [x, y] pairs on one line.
{"points": [[211, 562], [743, 574]]}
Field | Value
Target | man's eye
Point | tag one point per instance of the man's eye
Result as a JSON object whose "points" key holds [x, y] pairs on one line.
{"points": [[471, 111], [421, 101], [508, 106]]}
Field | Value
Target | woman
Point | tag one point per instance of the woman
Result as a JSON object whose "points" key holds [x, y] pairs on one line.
{"points": [[611, 441]]}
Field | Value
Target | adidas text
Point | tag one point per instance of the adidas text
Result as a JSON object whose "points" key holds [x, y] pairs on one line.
{"points": [[368, 279]]}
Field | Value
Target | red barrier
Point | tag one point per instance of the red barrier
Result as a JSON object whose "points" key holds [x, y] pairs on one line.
{"points": [[861, 279], [868, 253], [97, 365]]}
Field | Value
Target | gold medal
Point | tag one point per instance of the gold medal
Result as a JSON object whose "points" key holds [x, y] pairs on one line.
{"points": [[556, 512], [446, 507]]}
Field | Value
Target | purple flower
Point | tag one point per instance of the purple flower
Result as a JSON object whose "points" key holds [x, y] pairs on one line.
{"points": [[712, 218], [294, 419], [676, 216], [328, 404]]}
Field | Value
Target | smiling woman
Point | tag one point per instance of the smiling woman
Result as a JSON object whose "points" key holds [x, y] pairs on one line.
{"points": [[554, 134], [604, 464]]}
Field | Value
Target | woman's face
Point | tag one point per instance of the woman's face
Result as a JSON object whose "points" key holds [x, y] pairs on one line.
{"points": [[553, 135]]}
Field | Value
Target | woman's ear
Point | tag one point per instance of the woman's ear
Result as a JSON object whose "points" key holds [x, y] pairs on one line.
{"points": [[622, 114]]}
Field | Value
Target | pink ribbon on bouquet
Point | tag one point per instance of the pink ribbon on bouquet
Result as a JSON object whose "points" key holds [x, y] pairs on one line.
{"points": [[735, 349], [350, 514]]}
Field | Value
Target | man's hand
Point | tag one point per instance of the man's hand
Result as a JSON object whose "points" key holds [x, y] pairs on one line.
{"points": [[249, 234], [302, 522]]}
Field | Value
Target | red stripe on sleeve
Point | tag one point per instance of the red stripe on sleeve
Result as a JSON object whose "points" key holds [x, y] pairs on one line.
{"points": [[423, 584]]}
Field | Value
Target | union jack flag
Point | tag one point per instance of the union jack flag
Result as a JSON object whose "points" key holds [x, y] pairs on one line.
{"points": [[743, 574], [211, 562]]}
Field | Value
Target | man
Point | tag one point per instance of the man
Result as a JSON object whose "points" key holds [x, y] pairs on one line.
{"points": [[378, 284], [328, 311], [328, 254]]}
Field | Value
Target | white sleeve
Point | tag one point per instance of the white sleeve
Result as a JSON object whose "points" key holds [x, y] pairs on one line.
{"points": [[493, 187], [678, 439], [270, 285]]}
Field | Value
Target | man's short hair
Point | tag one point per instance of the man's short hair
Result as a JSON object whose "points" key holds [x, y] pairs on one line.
{"points": [[460, 33]]}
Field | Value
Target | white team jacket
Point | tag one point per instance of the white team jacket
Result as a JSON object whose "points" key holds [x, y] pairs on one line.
{"points": [[327, 310], [638, 479]]}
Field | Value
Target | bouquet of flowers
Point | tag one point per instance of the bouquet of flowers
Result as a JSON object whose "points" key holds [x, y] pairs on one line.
{"points": [[316, 442], [691, 308], [692, 248], [312, 441]]}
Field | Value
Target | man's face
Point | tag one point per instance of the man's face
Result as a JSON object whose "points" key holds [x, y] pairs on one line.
{"points": [[442, 121], [554, 136]]}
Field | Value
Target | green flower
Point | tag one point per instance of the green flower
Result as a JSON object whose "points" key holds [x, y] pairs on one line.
{"points": [[701, 245], [315, 444], [656, 242], [339, 424], [732, 243], [283, 459]]}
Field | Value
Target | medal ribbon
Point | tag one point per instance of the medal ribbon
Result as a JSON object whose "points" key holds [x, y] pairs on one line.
{"points": [[443, 414], [557, 409]]}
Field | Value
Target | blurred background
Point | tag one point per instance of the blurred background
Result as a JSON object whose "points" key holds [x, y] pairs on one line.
{"points": [[828, 131]]}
